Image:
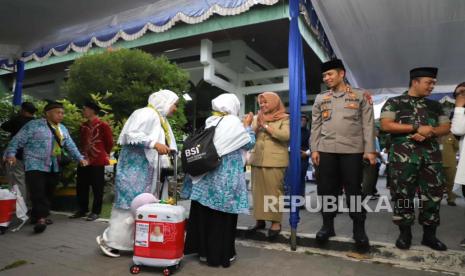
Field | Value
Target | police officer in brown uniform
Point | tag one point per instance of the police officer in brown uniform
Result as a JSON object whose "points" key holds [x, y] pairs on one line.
{"points": [[342, 136]]}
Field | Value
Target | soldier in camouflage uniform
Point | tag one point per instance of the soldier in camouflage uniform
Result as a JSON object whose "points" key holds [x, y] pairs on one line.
{"points": [[415, 157]]}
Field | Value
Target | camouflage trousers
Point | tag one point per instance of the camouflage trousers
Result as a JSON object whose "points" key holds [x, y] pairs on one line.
{"points": [[409, 179]]}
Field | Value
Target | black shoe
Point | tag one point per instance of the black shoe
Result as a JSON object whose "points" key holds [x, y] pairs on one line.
{"points": [[259, 225], [40, 226], [324, 234], [404, 241], [272, 234], [48, 221], [78, 214], [92, 217], [326, 231], [430, 240], [362, 243]]}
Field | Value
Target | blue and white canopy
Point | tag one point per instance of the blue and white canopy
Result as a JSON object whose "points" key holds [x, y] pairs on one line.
{"points": [[36, 30]]}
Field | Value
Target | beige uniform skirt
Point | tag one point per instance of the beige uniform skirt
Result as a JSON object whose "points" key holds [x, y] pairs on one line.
{"points": [[267, 182]]}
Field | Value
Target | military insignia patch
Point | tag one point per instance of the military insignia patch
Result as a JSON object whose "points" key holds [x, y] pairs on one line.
{"points": [[368, 97], [326, 114]]}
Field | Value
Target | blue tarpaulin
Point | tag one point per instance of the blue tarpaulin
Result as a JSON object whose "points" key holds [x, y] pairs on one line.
{"points": [[297, 97], [17, 98]]}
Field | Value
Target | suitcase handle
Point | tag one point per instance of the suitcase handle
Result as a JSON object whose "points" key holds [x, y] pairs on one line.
{"points": [[159, 186]]}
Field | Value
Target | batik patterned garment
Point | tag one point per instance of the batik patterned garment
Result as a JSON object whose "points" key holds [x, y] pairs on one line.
{"points": [[223, 189], [96, 142], [37, 140], [133, 175]]}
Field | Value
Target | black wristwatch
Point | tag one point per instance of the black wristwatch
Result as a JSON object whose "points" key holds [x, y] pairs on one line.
{"points": [[416, 126]]}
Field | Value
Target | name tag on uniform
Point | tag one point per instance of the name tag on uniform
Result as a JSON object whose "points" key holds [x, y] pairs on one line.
{"points": [[351, 105]]}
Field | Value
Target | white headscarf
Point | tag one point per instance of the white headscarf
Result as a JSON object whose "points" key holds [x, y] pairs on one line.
{"points": [[230, 134], [227, 103], [144, 125], [163, 100]]}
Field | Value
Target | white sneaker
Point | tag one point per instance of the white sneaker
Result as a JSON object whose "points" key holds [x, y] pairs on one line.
{"points": [[232, 259], [110, 252], [203, 259]]}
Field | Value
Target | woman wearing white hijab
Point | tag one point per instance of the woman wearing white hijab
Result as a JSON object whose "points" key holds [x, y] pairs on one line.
{"points": [[220, 195], [458, 128], [145, 135]]}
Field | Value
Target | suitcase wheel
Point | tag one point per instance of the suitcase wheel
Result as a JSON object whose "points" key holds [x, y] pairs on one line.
{"points": [[171, 269], [135, 269]]}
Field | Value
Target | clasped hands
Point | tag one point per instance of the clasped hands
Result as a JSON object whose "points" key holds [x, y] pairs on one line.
{"points": [[423, 133]]}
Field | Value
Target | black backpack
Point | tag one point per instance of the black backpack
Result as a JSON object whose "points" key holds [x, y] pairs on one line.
{"points": [[199, 154]]}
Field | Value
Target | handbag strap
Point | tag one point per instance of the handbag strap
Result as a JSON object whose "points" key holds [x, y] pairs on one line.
{"points": [[222, 117], [52, 130]]}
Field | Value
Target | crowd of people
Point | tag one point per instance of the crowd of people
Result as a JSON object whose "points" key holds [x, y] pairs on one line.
{"points": [[342, 145]]}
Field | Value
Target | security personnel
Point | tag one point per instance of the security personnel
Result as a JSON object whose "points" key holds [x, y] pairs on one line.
{"points": [[342, 136], [415, 122]]}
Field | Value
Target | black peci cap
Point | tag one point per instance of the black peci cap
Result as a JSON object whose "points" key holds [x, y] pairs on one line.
{"points": [[332, 64], [92, 105], [29, 107], [430, 72], [52, 105]]}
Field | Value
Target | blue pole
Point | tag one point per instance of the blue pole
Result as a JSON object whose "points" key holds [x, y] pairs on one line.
{"points": [[297, 96], [17, 98]]}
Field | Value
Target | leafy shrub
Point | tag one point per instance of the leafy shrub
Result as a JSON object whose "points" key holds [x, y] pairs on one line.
{"points": [[130, 76]]}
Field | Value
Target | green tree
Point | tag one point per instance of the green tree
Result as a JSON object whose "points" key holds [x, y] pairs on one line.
{"points": [[130, 76], [6, 111]]}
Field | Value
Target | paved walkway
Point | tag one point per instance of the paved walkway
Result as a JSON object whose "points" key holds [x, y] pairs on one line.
{"points": [[68, 248], [379, 226]]}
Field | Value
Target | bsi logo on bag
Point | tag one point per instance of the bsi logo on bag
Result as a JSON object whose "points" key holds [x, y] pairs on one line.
{"points": [[192, 151], [199, 155]]}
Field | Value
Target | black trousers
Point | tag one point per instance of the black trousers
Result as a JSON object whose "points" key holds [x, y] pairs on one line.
{"points": [[370, 179], [41, 186], [303, 173], [211, 234], [90, 176], [337, 171]]}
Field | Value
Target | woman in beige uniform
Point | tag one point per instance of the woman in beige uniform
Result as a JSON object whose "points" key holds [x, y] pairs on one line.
{"points": [[269, 159]]}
